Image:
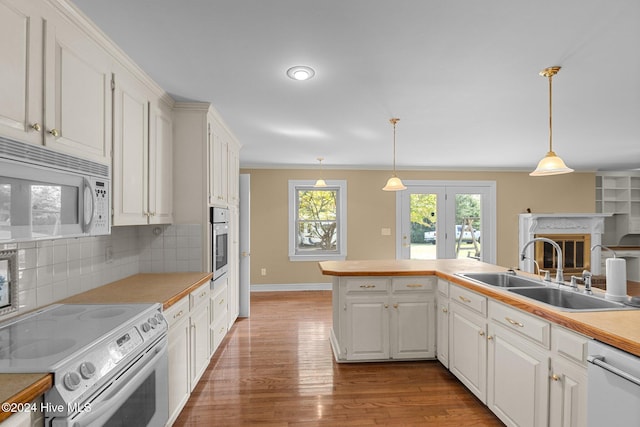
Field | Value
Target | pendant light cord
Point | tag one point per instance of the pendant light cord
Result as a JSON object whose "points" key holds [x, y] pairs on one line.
{"points": [[550, 115], [393, 122]]}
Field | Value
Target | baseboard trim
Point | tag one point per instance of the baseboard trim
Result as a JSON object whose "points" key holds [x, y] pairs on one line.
{"points": [[291, 287]]}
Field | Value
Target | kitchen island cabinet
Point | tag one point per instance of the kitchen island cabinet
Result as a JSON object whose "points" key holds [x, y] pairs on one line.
{"points": [[528, 369], [380, 318]]}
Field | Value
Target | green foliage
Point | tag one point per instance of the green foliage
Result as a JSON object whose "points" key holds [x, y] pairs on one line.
{"points": [[317, 213]]}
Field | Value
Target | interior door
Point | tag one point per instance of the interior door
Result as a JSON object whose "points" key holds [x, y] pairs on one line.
{"points": [[446, 219]]}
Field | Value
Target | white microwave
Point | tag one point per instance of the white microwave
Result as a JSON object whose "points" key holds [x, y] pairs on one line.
{"points": [[46, 194]]}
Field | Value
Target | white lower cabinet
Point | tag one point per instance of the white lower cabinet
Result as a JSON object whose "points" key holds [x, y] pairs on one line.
{"points": [[528, 371], [467, 340], [218, 315], [442, 322], [188, 337], [179, 385], [568, 387], [383, 318], [518, 377], [199, 323]]}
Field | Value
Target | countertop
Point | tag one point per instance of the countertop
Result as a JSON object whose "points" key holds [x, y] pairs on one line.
{"points": [[165, 288], [620, 329]]}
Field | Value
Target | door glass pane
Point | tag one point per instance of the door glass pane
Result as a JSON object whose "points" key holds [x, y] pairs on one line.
{"points": [[468, 234], [423, 243]]}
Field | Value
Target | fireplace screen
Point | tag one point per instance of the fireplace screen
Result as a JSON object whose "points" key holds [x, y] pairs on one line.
{"points": [[576, 252]]}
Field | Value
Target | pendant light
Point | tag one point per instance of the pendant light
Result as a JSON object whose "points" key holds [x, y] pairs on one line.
{"points": [[320, 182], [394, 183], [550, 164]]}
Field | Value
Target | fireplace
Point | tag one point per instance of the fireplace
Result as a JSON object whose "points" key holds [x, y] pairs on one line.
{"points": [[575, 233]]}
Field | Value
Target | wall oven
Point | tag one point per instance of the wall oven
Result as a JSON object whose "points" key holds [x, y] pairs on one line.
{"points": [[45, 194], [219, 224]]}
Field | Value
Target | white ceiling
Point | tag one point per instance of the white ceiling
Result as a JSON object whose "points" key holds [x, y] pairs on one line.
{"points": [[462, 75]]}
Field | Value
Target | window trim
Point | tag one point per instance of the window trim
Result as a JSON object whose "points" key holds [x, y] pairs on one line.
{"points": [[341, 220]]}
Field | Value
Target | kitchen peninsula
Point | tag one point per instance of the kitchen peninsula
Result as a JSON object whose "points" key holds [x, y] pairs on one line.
{"points": [[505, 348]]}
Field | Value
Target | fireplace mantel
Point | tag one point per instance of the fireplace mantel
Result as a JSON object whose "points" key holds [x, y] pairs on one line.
{"points": [[531, 225]]}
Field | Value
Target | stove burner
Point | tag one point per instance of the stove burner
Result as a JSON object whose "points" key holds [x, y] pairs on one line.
{"points": [[103, 313], [37, 348], [68, 310]]}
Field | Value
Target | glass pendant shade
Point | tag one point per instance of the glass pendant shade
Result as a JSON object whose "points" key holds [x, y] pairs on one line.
{"points": [[551, 164], [320, 183], [394, 184]]}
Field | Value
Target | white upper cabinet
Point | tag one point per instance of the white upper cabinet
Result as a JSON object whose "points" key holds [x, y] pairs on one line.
{"points": [[224, 165], [21, 25], [58, 92], [142, 149]]}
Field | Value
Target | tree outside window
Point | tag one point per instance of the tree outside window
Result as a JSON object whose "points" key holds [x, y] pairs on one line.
{"points": [[317, 218]]}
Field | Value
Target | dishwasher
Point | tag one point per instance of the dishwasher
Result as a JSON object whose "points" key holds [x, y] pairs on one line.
{"points": [[613, 389]]}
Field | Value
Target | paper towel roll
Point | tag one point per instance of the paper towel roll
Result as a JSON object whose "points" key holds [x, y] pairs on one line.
{"points": [[616, 279]]}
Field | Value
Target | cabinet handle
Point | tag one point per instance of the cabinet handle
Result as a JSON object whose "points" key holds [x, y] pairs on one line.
{"points": [[481, 333], [178, 314], [490, 338], [444, 310], [463, 299], [36, 127], [222, 330], [555, 377], [386, 306], [395, 305], [55, 132], [367, 286], [204, 293], [414, 285], [221, 301], [513, 322]]}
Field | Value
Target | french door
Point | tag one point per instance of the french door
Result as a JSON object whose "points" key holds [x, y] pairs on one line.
{"points": [[446, 219]]}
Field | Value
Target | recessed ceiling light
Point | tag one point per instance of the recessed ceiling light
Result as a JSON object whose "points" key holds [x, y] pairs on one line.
{"points": [[300, 72]]}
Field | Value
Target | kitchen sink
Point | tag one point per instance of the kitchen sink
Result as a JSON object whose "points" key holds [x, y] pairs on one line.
{"points": [[503, 280], [569, 300]]}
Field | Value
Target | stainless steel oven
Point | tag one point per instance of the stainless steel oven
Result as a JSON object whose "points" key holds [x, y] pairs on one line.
{"points": [[219, 224], [109, 362]]}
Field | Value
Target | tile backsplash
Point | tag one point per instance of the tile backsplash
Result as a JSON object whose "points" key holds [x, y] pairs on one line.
{"points": [[50, 270]]}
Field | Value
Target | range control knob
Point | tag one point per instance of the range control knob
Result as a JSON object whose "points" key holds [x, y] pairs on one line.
{"points": [[160, 318], [87, 370], [153, 321], [146, 327], [71, 380]]}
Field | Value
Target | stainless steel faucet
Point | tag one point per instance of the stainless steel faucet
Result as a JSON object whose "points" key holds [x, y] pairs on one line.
{"points": [[559, 272]]}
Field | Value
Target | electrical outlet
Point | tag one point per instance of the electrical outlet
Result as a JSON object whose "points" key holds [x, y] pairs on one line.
{"points": [[263, 271], [108, 255], [385, 232]]}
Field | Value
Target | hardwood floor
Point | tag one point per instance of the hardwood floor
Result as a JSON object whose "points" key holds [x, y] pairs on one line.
{"points": [[276, 368]]}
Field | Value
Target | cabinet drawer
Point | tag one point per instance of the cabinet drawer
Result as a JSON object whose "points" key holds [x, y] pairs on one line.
{"points": [[415, 284], [443, 287], [199, 295], [177, 312], [469, 299], [529, 326], [218, 331], [366, 284], [218, 304], [570, 345]]}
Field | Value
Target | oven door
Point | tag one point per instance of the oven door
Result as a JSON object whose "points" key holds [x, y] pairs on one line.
{"points": [[138, 396], [220, 250]]}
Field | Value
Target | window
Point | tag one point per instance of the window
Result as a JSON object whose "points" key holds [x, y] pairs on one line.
{"points": [[317, 221]]}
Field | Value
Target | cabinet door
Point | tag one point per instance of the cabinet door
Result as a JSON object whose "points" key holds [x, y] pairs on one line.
{"points": [[179, 369], [413, 326], [568, 394], [442, 344], [234, 174], [161, 166], [199, 341], [130, 152], [77, 90], [468, 349], [518, 379], [21, 86], [233, 290], [218, 164], [367, 324]]}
